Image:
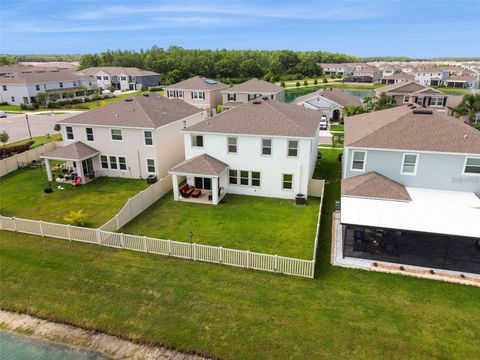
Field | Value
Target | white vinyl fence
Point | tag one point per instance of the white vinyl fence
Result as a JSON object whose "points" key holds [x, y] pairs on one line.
{"points": [[137, 204], [192, 251], [12, 163]]}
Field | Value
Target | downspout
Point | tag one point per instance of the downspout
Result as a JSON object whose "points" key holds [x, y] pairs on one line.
{"points": [[139, 166]]}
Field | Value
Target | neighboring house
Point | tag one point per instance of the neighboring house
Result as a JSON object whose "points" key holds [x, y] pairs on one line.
{"points": [[251, 89], [455, 101], [21, 85], [337, 69], [412, 92], [262, 148], [397, 78], [389, 70], [463, 81], [198, 91], [431, 76], [122, 78], [410, 189], [366, 74], [132, 138], [329, 101]]}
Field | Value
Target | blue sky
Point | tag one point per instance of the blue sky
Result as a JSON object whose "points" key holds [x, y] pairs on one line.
{"points": [[421, 28]]}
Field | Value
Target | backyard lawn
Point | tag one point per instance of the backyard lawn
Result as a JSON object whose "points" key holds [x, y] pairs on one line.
{"points": [[21, 195], [337, 128], [38, 140], [234, 313], [266, 225]]}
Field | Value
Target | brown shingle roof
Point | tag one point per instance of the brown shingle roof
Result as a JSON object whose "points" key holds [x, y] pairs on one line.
{"points": [[403, 128], [255, 86], [263, 117], [374, 185], [462, 78], [116, 70], [76, 151], [34, 76], [198, 83], [201, 165], [337, 96], [407, 76], [150, 111]]}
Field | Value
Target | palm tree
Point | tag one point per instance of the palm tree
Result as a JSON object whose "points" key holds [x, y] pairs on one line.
{"points": [[384, 102], [469, 107], [368, 102]]}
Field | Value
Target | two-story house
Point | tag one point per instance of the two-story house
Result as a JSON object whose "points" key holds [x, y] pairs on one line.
{"points": [[198, 91], [337, 69], [415, 93], [251, 89], [263, 148], [431, 76], [122, 78], [410, 189], [132, 138], [366, 74], [397, 78]]}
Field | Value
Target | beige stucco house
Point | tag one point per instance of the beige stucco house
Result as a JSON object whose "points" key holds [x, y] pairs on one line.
{"points": [[415, 93], [251, 89]]}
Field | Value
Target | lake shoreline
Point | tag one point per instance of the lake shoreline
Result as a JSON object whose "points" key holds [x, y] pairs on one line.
{"points": [[86, 340]]}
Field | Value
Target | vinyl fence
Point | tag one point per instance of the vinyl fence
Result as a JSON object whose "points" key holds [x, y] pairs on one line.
{"points": [[137, 204], [12, 163], [192, 251]]}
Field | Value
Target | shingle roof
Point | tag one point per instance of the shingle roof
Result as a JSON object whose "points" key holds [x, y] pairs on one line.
{"points": [[116, 70], [254, 86], [402, 75], [263, 117], [36, 76], [462, 78], [337, 96], [408, 87], [374, 185], [76, 151], [198, 83], [201, 165], [150, 111], [404, 128]]}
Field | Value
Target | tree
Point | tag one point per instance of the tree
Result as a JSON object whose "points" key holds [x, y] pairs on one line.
{"points": [[325, 80], [288, 60], [305, 83], [297, 84], [4, 137], [351, 110], [250, 68], [282, 84], [469, 107], [41, 98], [315, 82], [368, 103], [384, 101], [57, 128]]}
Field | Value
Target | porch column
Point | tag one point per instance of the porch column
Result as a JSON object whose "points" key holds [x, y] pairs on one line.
{"points": [[80, 171], [175, 187], [49, 170], [215, 190]]}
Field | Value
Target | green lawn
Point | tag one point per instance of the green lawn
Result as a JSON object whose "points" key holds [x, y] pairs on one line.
{"points": [[21, 195], [234, 313], [266, 225], [338, 128], [10, 108], [38, 140], [454, 91]]}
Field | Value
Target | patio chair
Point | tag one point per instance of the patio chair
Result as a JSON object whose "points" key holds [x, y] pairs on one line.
{"points": [[186, 190], [196, 193]]}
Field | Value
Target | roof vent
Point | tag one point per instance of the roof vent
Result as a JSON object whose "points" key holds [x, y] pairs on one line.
{"points": [[465, 137], [146, 95], [210, 81], [422, 112], [265, 97], [256, 102], [128, 100]]}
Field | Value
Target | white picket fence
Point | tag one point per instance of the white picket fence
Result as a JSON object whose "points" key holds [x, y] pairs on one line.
{"points": [[192, 251], [137, 204], [12, 163]]}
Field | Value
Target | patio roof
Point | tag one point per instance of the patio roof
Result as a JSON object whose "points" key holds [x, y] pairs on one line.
{"points": [[201, 165], [77, 151]]}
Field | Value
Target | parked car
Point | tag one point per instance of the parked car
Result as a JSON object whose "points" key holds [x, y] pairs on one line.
{"points": [[3, 114], [323, 122]]}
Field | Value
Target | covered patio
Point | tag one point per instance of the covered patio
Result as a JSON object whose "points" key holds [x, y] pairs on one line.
{"points": [[79, 167], [204, 178]]}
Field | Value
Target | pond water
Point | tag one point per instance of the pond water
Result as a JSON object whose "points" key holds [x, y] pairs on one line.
{"points": [[291, 95], [19, 347]]}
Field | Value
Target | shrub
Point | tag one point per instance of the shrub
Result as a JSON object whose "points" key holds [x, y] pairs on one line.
{"points": [[77, 218], [333, 76], [282, 84], [305, 83], [324, 80], [15, 149], [219, 109], [4, 137], [315, 82], [155, 88], [297, 84], [28, 106]]}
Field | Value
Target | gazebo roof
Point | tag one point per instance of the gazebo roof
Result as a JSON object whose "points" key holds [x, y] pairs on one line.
{"points": [[201, 165], [74, 152]]}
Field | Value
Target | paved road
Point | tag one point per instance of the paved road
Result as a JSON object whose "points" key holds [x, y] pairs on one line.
{"points": [[16, 125]]}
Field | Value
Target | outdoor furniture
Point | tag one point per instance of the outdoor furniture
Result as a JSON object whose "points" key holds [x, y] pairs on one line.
{"points": [[196, 193], [359, 243], [186, 190]]}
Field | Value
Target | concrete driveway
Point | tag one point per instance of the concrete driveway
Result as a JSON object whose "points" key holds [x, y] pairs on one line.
{"points": [[40, 124]]}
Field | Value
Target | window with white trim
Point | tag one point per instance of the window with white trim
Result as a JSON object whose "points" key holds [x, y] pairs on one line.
{"points": [[358, 160], [406, 98], [122, 163], [287, 182], [69, 132], [197, 140], [244, 179], [233, 177], [104, 161], [113, 162], [409, 164], [292, 148], [255, 178], [198, 95], [420, 100], [148, 137], [89, 133], [232, 144], [266, 146], [231, 97], [116, 134], [151, 166], [472, 166]]}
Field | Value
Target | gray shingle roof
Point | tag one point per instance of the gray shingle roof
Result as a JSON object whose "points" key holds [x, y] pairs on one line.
{"points": [[198, 83], [76, 151], [337, 96], [142, 111], [255, 86], [116, 70], [263, 117], [36, 76], [201, 165], [374, 185]]}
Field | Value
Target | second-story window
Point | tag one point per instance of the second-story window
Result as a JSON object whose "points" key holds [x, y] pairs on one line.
{"points": [[197, 140], [116, 134], [37, 87], [4, 87], [232, 144], [198, 95], [266, 146], [148, 137], [472, 166], [409, 164], [231, 97], [358, 160], [292, 148], [89, 132], [69, 132], [60, 84]]}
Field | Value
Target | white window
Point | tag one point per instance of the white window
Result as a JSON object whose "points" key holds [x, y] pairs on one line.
{"points": [[287, 182], [74, 83], [122, 162], [197, 140], [198, 95], [104, 161], [151, 166], [266, 146], [292, 148], [255, 178], [233, 177], [37, 87], [105, 78], [116, 134], [60, 84], [409, 164], [89, 132], [472, 166], [148, 137], [113, 162], [231, 97], [420, 100], [358, 160], [244, 177], [69, 132], [232, 145], [4, 87], [406, 98], [433, 101]]}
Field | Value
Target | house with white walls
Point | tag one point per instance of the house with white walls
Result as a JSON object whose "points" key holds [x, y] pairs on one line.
{"points": [[410, 191], [431, 76], [249, 90], [262, 148], [132, 138], [122, 78]]}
